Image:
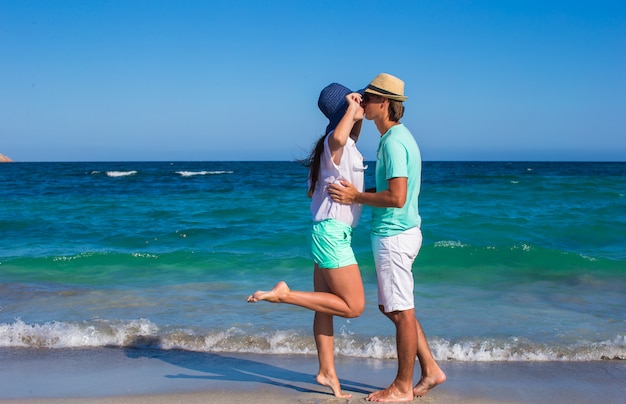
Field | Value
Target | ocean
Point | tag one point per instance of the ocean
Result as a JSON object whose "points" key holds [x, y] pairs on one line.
{"points": [[521, 261]]}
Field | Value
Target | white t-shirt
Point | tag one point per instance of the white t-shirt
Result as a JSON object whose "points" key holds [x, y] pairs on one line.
{"points": [[351, 169]]}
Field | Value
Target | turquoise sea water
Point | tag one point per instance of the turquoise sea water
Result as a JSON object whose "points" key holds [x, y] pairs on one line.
{"points": [[520, 261]]}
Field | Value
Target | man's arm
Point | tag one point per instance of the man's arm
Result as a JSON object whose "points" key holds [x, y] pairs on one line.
{"points": [[394, 197]]}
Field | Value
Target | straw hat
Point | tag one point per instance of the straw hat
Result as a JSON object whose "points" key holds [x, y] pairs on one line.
{"points": [[332, 102], [387, 86]]}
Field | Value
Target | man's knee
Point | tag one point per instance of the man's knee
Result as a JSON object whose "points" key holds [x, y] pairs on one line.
{"points": [[399, 316]]}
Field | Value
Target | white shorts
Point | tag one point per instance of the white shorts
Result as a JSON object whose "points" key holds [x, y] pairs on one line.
{"points": [[394, 258]]}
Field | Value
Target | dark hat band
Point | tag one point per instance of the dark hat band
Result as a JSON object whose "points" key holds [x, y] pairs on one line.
{"points": [[380, 90]]}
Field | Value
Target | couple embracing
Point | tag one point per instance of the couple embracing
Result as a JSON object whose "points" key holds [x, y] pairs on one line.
{"points": [[336, 189]]}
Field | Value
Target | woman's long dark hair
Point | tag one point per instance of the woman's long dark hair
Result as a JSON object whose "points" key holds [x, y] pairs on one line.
{"points": [[313, 162]]}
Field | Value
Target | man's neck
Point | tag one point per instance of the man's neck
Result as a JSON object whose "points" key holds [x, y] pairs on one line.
{"points": [[384, 126]]}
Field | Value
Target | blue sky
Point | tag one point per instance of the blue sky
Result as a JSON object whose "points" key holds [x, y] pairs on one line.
{"points": [[239, 80]]}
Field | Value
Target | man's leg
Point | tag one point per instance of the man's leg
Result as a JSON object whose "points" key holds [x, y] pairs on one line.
{"points": [[406, 345], [401, 388], [431, 374]]}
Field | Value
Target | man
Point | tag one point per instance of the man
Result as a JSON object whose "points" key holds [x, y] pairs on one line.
{"points": [[396, 235]]}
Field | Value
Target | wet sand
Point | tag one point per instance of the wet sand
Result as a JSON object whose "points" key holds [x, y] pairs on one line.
{"points": [[114, 375]]}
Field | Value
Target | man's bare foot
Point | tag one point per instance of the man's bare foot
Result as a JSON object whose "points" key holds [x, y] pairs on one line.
{"points": [[333, 383], [390, 394], [428, 383], [274, 296]]}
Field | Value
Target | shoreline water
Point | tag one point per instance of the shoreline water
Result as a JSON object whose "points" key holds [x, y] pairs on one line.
{"points": [[113, 375], [122, 282]]}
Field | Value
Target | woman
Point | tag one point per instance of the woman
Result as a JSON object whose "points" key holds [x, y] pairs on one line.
{"points": [[337, 278]]}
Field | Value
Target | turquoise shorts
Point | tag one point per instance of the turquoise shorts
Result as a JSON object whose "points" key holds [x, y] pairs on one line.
{"points": [[331, 244]]}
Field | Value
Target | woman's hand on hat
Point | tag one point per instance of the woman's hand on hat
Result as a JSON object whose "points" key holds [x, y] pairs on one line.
{"points": [[354, 98], [354, 104]]}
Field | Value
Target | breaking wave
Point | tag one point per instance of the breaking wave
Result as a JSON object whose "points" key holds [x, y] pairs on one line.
{"points": [[142, 333]]}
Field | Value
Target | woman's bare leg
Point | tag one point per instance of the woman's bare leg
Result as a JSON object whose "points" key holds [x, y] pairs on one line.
{"points": [[345, 296], [323, 331], [337, 292]]}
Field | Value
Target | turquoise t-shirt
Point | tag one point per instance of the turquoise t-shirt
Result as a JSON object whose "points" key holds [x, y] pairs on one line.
{"points": [[398, 156]]}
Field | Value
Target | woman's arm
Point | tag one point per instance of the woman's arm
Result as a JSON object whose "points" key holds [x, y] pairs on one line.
{"points": [[354, 114]]}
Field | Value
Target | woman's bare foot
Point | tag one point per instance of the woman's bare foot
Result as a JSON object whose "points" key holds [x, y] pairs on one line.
{"points": [[274, 296], [333, 383], [390, 394], [428, 383]]}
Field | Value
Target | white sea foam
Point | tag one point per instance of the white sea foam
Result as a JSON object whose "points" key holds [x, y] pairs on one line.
{"points": [[144, 255], [142, 333], [121, 173], [194, 173], [97, 333], [449, 244]]}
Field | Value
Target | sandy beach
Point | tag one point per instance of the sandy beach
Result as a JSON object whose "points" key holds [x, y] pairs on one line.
{"points": [[113, 375]]}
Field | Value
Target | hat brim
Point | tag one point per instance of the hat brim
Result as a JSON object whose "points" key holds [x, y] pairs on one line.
{"points": [[394, 97], [334, 120]]}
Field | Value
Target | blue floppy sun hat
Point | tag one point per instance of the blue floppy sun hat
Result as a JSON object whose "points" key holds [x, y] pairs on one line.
{"points": [[333, 104]]}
